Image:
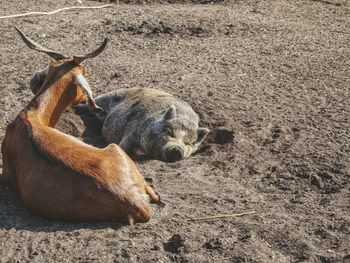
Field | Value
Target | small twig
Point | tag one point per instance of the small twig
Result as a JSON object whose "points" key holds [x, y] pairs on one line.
{"points": [[217, 217], [327, 2], [55, 11]]}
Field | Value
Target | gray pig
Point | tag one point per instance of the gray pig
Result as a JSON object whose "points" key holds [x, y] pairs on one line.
{"points": [[150, 123]]}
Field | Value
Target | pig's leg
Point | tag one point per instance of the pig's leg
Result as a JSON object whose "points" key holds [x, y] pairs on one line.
{"points": [[131, 147], [126, 144]]}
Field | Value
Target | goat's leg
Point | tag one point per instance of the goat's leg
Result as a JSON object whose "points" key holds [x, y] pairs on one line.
{"points": [[149, 190]]}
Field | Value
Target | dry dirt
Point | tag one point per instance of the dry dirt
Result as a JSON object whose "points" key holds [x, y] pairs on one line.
{"points": [[271, 81]]}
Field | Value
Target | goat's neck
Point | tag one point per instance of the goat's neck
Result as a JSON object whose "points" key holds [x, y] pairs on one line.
{"points": [[52, 102]]}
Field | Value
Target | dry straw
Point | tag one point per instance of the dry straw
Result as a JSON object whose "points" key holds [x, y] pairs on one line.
{"points": [[220, 217]]}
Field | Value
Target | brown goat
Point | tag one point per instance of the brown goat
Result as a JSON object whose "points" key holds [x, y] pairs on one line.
{"points": [[57, 175]]}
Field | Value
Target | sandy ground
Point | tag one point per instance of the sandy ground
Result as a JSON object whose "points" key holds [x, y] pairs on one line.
{"points": [[271, 81]]}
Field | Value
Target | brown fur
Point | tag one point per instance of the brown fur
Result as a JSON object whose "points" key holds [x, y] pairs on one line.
{"points": [[60, 177]]}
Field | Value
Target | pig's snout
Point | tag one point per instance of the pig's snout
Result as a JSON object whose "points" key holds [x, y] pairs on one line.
{"points": [[174, 154]]}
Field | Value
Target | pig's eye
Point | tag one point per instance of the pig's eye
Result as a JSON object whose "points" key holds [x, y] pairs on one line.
{"points": [[170, 132]]}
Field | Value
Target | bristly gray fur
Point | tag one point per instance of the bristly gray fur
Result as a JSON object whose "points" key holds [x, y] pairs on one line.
{"points": [[150, 122]]}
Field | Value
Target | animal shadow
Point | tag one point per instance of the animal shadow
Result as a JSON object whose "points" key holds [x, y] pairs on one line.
{"points": [[92, 133]]}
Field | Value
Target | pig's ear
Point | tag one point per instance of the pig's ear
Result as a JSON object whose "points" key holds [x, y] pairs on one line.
{"points": [[170, 113], [201, 134]]}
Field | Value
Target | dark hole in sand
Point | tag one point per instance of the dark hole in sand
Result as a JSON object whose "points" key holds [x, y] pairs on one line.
{"points": [[221, 136], [174, 244]]}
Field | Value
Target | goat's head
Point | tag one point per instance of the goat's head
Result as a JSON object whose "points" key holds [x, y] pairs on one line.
{"points": [[67, 69]]}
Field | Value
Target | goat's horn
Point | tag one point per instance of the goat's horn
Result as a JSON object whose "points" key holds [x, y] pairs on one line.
{"points": [[30, 43], [79, 59], [82, 82]]}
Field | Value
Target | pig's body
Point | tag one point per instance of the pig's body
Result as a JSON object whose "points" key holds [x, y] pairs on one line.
{"points": [[150, 122]]}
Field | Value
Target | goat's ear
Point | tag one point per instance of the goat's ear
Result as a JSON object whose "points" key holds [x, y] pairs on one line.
{"points": [[38, 79], [84, 85], [170, 113]]}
